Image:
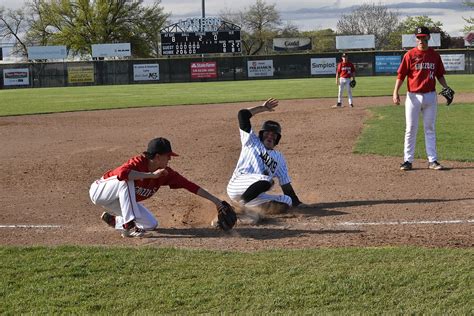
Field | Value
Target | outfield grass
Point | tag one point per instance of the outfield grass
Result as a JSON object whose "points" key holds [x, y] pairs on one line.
{"points": [[383, 133], [77, 280], [50, 100]]}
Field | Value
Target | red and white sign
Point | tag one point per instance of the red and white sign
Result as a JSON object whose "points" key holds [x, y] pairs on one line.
{"points": [[207, 69]]}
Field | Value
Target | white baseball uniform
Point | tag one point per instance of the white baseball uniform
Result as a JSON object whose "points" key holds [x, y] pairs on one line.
{"points": [[257, 163]]}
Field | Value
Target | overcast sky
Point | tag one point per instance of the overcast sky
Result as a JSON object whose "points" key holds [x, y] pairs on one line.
{"points": [[316, 14]]}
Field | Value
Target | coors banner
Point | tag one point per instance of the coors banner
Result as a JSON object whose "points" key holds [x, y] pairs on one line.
{"points": [[292, 43]]}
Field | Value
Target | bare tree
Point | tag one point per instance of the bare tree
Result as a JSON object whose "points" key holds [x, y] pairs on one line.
{"points": [[13, 27], [367, 19]]}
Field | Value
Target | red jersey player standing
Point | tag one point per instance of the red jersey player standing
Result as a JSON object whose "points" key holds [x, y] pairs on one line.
{"points": [[421, 65], [346, 71], [119, 190]]}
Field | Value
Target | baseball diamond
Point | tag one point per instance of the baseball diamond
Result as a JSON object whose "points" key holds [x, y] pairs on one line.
{"points": [[68, 151]]}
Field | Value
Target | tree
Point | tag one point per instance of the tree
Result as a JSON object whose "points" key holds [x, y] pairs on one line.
{"points": [[78, 24], [409, 25], [470, 21], [369, 19], [13, 25], [259, 23], [323, 40]]}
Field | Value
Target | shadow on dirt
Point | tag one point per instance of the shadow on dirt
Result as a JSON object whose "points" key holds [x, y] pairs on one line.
{"points": [[254, 232]]}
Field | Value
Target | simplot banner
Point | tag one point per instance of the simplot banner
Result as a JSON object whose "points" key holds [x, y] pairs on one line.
{"points": [[260, 68], [80, 74], [323, 66]]}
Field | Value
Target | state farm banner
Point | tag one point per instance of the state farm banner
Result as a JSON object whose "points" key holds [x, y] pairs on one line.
{"points": [[323, 66], [355, 41], [292, 43], [200, 70], [454, 62], [146, 72], [16, 77], [409, 40], [47, 52], [260, 68], [111, 50]]}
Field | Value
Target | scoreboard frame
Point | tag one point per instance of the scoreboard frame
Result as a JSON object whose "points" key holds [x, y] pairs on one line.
{"points": [[194, 43]]}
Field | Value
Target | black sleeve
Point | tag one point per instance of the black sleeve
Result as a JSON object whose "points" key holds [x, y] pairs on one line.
{"points": [[244, 120], [288, 190]]}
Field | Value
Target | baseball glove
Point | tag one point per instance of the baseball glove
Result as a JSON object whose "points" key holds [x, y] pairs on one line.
{"points": [[226, 217], [448, 93], [353, 83]]}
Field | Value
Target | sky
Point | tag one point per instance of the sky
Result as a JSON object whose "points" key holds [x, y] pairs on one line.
{"points": [[316, 14]]}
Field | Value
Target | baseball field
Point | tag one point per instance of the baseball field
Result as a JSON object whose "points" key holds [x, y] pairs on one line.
{"points": [[375, 239]]}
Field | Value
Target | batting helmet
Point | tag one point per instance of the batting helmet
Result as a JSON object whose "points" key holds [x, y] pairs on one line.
{"points": [[273, 127]]}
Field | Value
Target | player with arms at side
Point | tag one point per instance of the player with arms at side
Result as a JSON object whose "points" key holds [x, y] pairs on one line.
{"points": [[259, 163], [421, 65], [345, 79], [120, 190]]}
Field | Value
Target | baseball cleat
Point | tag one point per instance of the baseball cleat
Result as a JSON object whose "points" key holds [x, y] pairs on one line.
{"points": [[435, 165], [406, 166], [337, 106], [351, 105], [135, 232], [108, 218]]}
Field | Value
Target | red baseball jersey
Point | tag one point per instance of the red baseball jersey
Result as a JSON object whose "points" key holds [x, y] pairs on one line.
{"points": [[421, 67], [145, 188], [345, 69]]}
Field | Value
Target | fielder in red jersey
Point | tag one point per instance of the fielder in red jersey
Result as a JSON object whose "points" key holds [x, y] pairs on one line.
{"points": [[345, 72], [119, 190], [422, 66]]}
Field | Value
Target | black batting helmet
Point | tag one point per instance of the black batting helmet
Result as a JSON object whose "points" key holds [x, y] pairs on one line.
{"points": [[273, 127]]}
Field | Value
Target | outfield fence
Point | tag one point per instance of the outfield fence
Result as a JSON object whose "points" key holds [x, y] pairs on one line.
{"points": [[216, 68]]}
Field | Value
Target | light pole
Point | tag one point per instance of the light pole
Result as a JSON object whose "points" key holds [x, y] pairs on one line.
{"points": [[203, 9]]}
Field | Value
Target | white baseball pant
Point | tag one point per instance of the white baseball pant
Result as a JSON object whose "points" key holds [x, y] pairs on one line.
{"points": [[239, 184], [344, 83], [427, 103], [118, 197]]}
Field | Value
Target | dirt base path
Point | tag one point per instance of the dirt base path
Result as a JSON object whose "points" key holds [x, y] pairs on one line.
{"points": [[49, 161]]}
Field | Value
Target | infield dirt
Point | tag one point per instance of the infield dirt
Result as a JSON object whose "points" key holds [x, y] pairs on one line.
{"points": [[49, 162]]}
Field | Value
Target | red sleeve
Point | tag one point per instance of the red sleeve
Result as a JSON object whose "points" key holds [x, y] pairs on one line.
{"points": [[177, 181], [404, 67], [137, 163], [338, 70]]}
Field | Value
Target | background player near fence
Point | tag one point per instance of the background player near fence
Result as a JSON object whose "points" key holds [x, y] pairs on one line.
{"points": [[345, 73], [421, 65], [259, 163], [120, 190]]}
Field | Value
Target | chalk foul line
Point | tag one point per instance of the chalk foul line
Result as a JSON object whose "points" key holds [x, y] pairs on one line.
{"points": [[30, 226], [456, 221]]}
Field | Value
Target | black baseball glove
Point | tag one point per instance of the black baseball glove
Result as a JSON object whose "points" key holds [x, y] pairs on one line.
{"points": [[353, 83], [448, 93], [226, 217]]}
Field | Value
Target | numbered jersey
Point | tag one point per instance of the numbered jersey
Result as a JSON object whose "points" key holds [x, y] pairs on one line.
{"points": [[422, 68], [256, 159]]}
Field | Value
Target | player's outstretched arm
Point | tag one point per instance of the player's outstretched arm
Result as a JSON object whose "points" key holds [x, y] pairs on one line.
{"points": [[268, 105]]}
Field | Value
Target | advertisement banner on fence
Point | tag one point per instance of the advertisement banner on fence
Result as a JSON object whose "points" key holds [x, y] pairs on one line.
{"points": [[323, 66], [111, 50], [409, 40], [260, 68], [146, 72], [387, 64], [293, 43], [80, 74], [454, 62], [355, 41], [47, 52], [16, 77], [201, 70]]}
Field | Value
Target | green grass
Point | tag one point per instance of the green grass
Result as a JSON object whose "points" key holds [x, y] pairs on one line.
{"points": [[84, 280], [384, 132], [50, 100]]}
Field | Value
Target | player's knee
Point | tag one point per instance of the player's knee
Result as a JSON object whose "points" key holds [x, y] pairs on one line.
{"points": [[255, 190]]}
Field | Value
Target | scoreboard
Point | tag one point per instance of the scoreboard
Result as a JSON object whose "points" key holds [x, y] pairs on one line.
{"points": [[190, 43]]}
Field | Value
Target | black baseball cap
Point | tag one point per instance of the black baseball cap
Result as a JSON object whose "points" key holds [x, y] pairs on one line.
{"points": [[422, 31], [160, 146]]}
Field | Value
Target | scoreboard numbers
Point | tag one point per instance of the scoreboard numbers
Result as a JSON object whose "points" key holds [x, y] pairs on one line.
{"points": [[191, 43]]}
